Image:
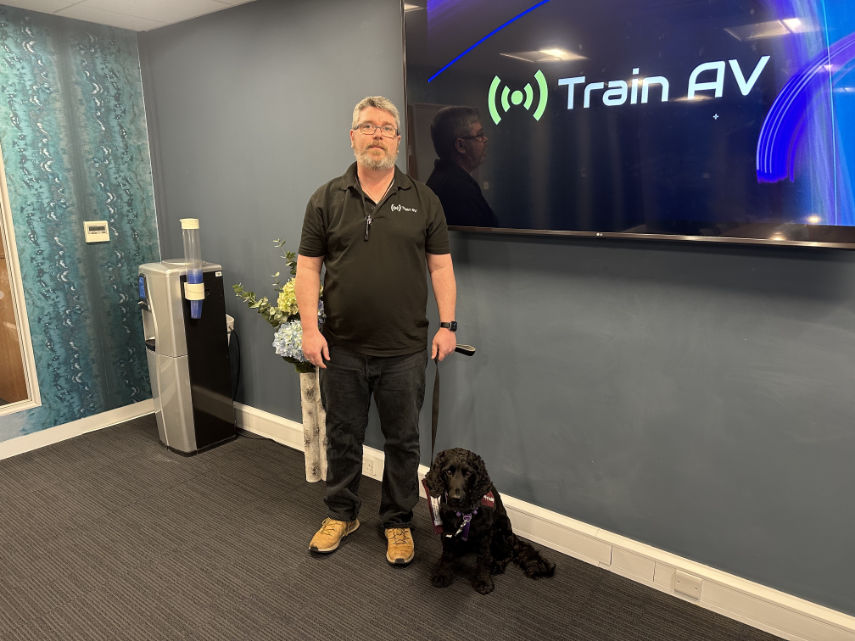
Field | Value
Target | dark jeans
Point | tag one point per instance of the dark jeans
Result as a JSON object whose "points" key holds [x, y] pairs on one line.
{"points": [[398, 386]]}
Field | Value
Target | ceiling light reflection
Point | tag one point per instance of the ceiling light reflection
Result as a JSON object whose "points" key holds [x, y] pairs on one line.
{"points": [[771, 29], [551, 54], [696, 98]]}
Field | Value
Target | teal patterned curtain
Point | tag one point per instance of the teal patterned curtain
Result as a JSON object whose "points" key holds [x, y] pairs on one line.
{"points": [[74, 142]]}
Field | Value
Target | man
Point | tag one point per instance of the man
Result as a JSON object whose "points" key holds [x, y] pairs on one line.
{"points": [[461, 145], [378, 233]]}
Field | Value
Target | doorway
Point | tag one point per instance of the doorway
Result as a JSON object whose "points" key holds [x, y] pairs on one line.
{"points": [[18, 386]]}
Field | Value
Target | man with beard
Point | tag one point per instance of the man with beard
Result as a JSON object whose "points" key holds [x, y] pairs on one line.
{"points": [[378, 233], [461, 144]]}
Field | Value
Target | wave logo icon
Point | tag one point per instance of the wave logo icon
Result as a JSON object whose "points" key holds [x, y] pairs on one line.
{"points": [[524, 97]]}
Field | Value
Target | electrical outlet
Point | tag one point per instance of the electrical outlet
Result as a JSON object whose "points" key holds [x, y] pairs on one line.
{"points": [[688, 584]]}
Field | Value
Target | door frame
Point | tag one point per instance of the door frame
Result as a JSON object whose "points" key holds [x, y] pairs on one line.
{"points": [[7, 237]]}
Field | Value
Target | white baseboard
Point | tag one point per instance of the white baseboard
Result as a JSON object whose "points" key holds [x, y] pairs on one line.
{"points": [[51, 435], [778, 613], [276, 428]]}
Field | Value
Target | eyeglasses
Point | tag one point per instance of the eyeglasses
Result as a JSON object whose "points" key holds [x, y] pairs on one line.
{"points": [[367, 129], [478, 137]]}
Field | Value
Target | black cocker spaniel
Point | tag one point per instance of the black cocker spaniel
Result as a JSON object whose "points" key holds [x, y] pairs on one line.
{"points": [[472, 518]]}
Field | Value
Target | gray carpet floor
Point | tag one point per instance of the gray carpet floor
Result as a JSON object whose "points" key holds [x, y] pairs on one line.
{"points": [[111, 536]]}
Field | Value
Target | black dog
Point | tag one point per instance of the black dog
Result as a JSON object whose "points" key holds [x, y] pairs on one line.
{"points": [[474, 520]]}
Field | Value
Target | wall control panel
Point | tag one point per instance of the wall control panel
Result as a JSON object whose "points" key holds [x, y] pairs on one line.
{"points": [[96, 231]]}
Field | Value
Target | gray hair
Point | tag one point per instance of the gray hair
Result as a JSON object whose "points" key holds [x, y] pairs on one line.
{"points": [[449, 124], [378, 102]]}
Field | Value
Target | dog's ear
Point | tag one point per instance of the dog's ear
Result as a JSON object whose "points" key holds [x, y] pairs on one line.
{"points": [[483, 484], [434, 479]]}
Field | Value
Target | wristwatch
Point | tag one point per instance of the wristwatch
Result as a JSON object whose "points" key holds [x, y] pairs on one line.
{"points": [[452, 326]]}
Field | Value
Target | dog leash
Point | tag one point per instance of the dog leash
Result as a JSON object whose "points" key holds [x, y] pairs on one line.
{"points": [[433, 503], [467, 350]]}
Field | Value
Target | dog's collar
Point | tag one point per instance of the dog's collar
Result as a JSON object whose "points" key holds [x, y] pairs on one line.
{"points": [[463, 530], [488, 500]]}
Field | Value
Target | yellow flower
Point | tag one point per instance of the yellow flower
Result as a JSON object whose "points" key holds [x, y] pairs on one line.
{"points": [[287, 301]]}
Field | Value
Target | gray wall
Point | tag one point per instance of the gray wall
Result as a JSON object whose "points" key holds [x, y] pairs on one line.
{"points": [[696, 398], [249, 111]]}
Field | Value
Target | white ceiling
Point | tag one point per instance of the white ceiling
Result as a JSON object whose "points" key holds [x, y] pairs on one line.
{"points": [[137, 15]]}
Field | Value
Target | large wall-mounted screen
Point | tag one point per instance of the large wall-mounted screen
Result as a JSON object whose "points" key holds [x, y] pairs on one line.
{"points": [[724, 120]]}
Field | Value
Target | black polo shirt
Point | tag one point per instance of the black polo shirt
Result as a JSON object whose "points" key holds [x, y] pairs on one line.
{"points": [[375, 290]]}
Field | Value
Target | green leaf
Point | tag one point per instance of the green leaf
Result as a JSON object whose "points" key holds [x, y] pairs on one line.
{"points": [[271, 312]]}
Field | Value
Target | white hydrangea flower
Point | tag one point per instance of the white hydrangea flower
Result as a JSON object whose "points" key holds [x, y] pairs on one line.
{"points": [[288, 341]]}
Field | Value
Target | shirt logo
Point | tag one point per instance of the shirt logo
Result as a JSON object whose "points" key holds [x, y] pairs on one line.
{"points": [[402, 208]]}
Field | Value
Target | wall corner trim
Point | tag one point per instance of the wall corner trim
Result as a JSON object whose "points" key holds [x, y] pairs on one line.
{"points": [[770, 610], [51, 435]]}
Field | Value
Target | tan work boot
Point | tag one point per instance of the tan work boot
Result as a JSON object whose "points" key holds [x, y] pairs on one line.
{"points": [[400, 548], [327, 539]]}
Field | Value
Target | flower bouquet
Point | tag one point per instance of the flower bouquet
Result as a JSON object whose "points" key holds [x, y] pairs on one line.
{"points": [[284, 316]]}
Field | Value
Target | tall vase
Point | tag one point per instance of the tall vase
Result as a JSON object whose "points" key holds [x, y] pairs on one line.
{"points": [[314, 427]]}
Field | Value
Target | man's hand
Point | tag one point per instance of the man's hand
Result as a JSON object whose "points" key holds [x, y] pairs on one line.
{"points": [[444, 342], [315, 348], [445, 291], [307, 287]]}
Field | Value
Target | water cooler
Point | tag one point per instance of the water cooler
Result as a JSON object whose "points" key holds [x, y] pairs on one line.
{"points": [[188, 357]]}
